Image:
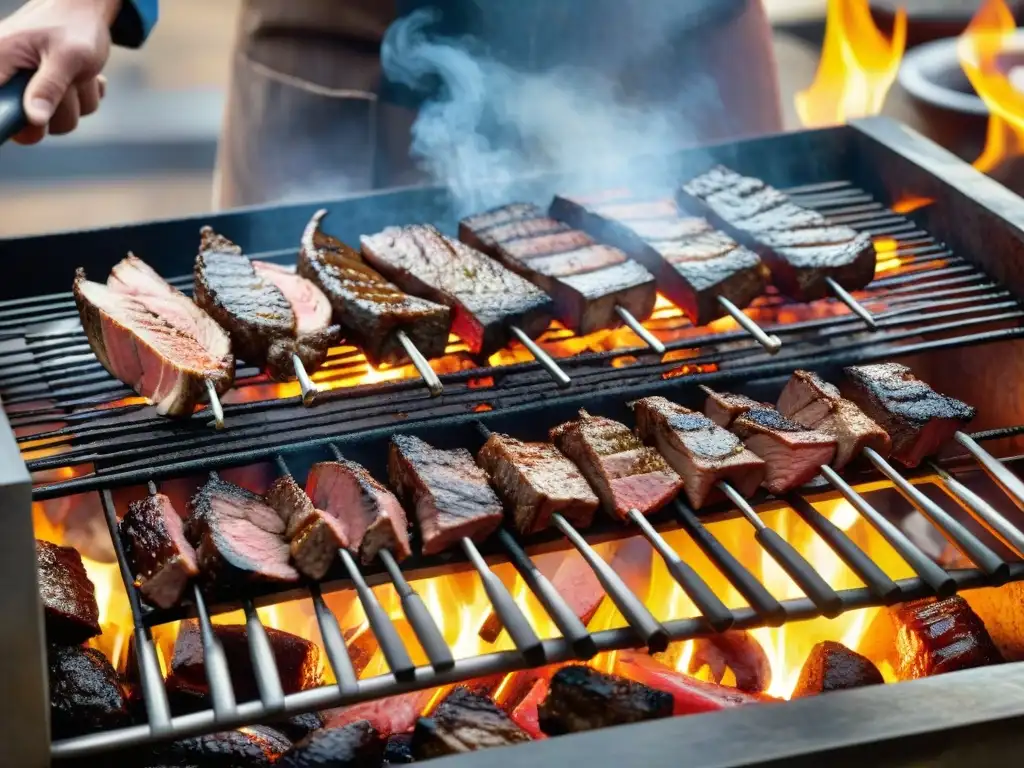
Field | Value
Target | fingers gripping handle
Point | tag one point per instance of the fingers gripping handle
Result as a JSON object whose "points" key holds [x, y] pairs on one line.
{"points": [[12, 105]]}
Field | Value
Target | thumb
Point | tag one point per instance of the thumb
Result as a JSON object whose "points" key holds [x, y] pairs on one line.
{"points": [[47, 87]]}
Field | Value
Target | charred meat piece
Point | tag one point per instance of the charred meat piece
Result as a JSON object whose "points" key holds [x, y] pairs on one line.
{"points": [[933, 637], [800, 246], [625, 473], [238, 537], [583, 699], [703, 453], [449, 493], [586, 280], [834, 667], [535, 481], [793, 454], [313, 535], [485, 297], [356, 745], [737, 651], [299, 727], [389, 716], [724, 408], [153, 354], [85, 693], [371, 517], [69, 598], [464, 722], [398, 750], [254, 746], [161, 558], [371, 310], [816, 404], [918, 419]]}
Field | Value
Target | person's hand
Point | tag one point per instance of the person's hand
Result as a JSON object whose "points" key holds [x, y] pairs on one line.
{"points": [[67, 42]]}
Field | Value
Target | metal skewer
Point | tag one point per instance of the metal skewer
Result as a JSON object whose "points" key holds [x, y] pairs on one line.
{"points": [[855, 306], [309, 389], [1007, 480], [636, 327], [422, 366], [982, 510], [215, 406], [770, 342], [542, 357]]}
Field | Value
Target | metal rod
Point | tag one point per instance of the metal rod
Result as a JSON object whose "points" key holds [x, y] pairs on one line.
{"points": [[306, 385], [419, 617], [561, 377], [637, 327], [420, 363], [855, 306], [771, 343], [215, 406], [268, 679], [215, 661], [982, 511], [334, 644], [1007, 480]]}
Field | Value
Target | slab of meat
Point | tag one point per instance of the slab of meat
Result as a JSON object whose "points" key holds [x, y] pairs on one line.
{"points": [[161, 558], [933, 637], [834, 667], [535, 481], [703, 453], [371, 517], [69, 598], [255, 746], [371, 310], [449, 493], [354, 746], [238, 537], [918, 419], [736, 651], [586, 280], [314, 536], [724, 408], [390, 715], [485, 297], [800, 246], [464, 722], [817, 404], [582, 699], [85, 693], [693, 263], [154, 355], [793, 454], [625, 473]]}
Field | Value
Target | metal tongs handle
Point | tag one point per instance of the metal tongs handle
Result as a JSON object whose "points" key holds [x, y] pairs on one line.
{"points": [[12, 105]]}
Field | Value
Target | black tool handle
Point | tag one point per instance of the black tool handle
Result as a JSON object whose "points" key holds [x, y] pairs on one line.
{"points": [[12, 105], [793, 563]]}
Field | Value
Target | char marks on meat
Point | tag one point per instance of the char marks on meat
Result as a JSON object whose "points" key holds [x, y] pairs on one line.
{"points": [[370, 309], [833, 667], [255, 746], [586, 280], [535, 480], [724, 408], [69, 598], [625, 473], [799, 245], [357, 745], [485, 297], [449, 493], [933, 637], [793, 454], [156, 355], [583, 699], [703, 453], [918, 419], [85, 693], [161, 558], [313, 535], [464, 722]]}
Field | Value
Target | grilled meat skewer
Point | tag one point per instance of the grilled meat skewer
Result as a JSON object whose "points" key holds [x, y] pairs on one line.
{"points": [[793, 454], [70, 610], [464, 722], [314, 536], [161, 558]]}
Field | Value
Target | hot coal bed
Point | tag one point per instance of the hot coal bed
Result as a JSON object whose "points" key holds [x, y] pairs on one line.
{"points": [[949, 309]]}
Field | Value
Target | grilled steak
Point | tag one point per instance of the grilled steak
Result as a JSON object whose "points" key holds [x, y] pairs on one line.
{"points": [[816, 404], [464, 722], [485, 297], [625, 473], [583, 699], [314, 536], [371, 517], [724, 408], [702, 452], [388, 716], [237, 536], [255, 746], [834, 667], [792, 453], [933, 637], [693, 263], [370, 309], [156, 355], [161, 558], [586, 280], [736, 651], [354, 746], [447, 490], [918, 419], [535, 481], [85, 693], [69, 599]]}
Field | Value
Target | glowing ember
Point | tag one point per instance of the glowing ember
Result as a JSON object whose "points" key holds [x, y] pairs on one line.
{"points": [[910, 204]]}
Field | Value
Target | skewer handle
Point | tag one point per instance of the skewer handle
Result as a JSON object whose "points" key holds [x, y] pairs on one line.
{"points": [[984, 512], [1007, 480], [309, 389], [422, 366], [215, 406], [637, 327], [771, 343], [542, 357], [855, 306]]}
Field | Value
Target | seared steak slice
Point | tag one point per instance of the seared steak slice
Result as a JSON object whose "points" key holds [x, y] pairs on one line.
{"points": [[238, 537], [724, 408], [586, 280], [356, 745], [314, 536], [800, 246], [535, 480], [371, 517], [583, 699], [933, 637], [464, 722], [485, 297], [918, 419], [255, 746], [703, 453], [834, 667], [625, 473], [447, 490], [69, 598], [370, 309], [85, 693], [161, 558], [150, 352], [792, 453]]}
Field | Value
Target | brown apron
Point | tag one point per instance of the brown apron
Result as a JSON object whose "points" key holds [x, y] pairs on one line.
{"points": [[304, 121]]}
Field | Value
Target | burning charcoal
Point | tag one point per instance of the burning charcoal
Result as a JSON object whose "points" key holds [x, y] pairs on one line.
{"points": [[314, 536], [526, 713], [933, 637], [735, 650], [69, 598], [792, 453], [834, 667], [299, 727], [357, 745], [398, 750], [464, 722], [85, 693], [724, 408], [583, 699], [161, 559], [360, 642], [250, 747], [388, 716]]}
